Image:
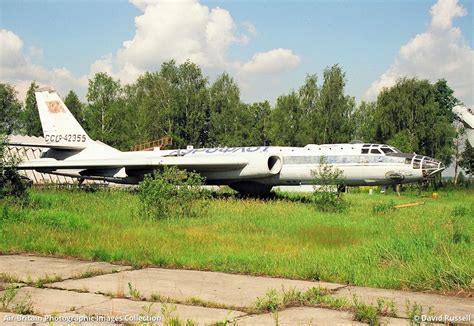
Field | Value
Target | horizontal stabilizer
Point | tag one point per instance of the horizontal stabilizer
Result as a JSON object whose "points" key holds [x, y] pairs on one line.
{"points": [[48, 145]]}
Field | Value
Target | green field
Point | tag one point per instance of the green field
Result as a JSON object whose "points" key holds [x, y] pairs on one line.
{"points": [[427, 247]]}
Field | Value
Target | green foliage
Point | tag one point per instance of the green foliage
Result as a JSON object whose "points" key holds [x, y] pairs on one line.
{"points": [[75, 106], [31, 119], [467, 159], [365, 313], [10, 110], [414, 115], [103, 115], [408, 249], [172, 193], [134, 292], [272, 301], [335, 108], [326, 196], [414, 312], [383, 207], [458, 221], [12, 185]]}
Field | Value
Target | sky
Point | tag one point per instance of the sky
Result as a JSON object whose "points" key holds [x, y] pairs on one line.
{"points": [[267, 46]]}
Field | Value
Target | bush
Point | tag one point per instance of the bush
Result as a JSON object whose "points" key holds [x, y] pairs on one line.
{"points": [[326, 197], [12, 185], [172, 193]]}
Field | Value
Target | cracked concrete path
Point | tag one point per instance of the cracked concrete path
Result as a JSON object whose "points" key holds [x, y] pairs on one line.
{"points": [[204, 297], [66, 303], [441, 304], [229, 289], [28, 268], [300, 316]]}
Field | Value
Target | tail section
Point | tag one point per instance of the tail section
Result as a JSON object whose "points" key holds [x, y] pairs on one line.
{"points": [[60, 128]]}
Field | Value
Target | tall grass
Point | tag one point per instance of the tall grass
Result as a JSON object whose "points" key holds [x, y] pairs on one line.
{"points": [[426, 247]]}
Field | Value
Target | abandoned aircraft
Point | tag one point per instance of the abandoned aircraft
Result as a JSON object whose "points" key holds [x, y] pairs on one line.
{"points": [[69, 151]]}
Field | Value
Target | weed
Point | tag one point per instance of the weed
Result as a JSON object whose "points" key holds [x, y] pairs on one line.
{"points": [[270, 302], [40, 282], [134, 292], [384, 207], [25, 306], [386, 308], [8, 295], [149, 316], [8, 278], [7, 298], [458, 225], [365, 313], [169, 317], [415, 310], [90, 273], [315, 296]]}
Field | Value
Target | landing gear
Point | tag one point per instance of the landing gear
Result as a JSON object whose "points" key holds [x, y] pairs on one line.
{"points": [[251, 188]]}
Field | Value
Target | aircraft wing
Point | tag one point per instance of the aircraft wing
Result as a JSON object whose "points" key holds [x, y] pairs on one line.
{"points": [[199, 164]]}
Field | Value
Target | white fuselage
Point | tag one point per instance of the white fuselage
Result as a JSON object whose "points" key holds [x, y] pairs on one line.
{"points": [[361, 164]]}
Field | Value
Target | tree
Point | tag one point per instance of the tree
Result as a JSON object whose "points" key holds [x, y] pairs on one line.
{"points": [[445, 98], [10, 110], [102, 114], [309, 100], [227, 113], [75, 106], [467, 160], [31, 119], [258, 125], [409, 116], [286, 120], [188, 103], [363, 120], [335, 108]]}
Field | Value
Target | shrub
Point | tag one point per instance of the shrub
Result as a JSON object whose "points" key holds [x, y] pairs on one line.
{"points": [[172, 193], [326, 197], [12, 185]]}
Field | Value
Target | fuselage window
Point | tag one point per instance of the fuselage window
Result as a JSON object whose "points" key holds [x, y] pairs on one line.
{"points": [[386, 150], [374, 151], [365, 150]]}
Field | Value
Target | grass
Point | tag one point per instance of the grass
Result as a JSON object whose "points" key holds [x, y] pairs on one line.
{"points": [[427, 247]]}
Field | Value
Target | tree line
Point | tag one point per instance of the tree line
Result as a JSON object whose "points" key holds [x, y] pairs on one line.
{"points": [[179, 101]]}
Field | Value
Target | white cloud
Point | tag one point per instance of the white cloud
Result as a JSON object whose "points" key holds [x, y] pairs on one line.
{"points": [[187, 30], [179, 30], [272, 61], [17, 68], [440, 52], [164, 30]]}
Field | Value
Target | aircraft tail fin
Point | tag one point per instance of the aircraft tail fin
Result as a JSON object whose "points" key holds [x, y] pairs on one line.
{"points": [[60, 128]]}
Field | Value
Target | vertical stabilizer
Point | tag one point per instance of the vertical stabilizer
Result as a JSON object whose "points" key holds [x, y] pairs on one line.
{"points": [[59, 125]]}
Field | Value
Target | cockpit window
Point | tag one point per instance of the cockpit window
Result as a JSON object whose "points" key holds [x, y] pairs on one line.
{"points": [[375, 151], [387, 150]]}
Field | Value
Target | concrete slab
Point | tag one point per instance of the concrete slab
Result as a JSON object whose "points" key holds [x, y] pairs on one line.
{"points": [[80, 305], [125, 307], [51, 301], [301, 316], [31, 268], [445, 305], [228, 289]]}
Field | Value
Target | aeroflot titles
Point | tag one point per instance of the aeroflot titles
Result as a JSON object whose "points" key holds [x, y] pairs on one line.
{"points": [[233, 150]]}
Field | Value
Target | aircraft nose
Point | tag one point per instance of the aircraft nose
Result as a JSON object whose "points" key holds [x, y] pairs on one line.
{"points": [[431, 166]]}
